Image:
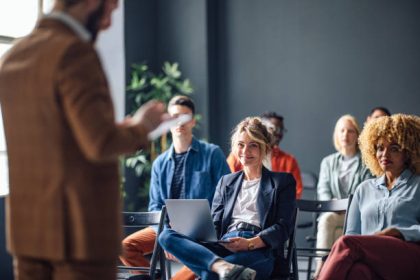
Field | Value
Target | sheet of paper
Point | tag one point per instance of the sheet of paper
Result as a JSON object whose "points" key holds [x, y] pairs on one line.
{"points": [[166, 125]]}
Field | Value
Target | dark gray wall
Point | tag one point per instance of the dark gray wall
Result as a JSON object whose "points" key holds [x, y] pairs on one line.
{"points": [[313, 61], [174, 31], [140, 34], [140, 37], [182, 38], [310, 60]]}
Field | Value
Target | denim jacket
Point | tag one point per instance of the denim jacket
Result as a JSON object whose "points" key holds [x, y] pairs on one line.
{"points": [[204, 165]]}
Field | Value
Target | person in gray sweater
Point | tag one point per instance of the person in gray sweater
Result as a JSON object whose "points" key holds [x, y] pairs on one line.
{"points": [[339, 175]]}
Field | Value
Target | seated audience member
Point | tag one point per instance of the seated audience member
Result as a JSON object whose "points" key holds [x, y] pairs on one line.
{"points": [[377, 112], [339, 175], [188, 169], [278, 160], [383, 229], [252, 209]]}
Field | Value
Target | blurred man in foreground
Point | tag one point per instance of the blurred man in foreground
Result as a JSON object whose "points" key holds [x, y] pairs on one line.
{"points": [[63, 212]]}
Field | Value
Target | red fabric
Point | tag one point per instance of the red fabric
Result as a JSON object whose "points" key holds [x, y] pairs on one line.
{"points": [[280, 162], [361, 257]]}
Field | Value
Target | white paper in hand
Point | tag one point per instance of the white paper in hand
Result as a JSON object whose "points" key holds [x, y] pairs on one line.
{"points": [[166, 125]]}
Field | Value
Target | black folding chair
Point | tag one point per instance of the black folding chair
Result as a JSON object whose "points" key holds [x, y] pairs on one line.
{"points": [[316, 207], [309, 182], [286, 268], [307, 220], [142, 220]]}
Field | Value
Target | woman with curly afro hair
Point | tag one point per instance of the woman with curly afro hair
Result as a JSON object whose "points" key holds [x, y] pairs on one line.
{"points": [[382, 239]]}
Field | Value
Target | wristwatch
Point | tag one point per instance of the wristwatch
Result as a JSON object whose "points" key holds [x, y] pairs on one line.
{"points": [[251, 246]]}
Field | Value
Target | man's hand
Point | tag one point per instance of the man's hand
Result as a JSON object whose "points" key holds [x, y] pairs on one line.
{"points": [[149, 116], [390, 232]]}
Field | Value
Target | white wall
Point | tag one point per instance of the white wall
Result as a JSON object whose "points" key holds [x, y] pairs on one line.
{"points": [[110, 46]]}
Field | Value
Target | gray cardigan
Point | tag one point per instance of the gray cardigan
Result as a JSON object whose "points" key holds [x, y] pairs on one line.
{"points": [[328, 186]]}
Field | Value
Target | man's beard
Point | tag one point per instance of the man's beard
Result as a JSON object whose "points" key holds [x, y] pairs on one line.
{"points": [[94, 20]]}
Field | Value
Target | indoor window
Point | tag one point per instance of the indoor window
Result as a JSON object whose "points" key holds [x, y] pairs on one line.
{"points": [[17, 19]]}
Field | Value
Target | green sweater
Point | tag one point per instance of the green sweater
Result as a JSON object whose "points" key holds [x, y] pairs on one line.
{"points": [[328, 185]]}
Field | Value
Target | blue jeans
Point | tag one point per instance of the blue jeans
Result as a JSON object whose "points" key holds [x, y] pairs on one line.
{"points": [[199, 257]]}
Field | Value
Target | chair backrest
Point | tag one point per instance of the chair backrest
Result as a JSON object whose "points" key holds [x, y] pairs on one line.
{"points": [[322, 206], [145, 219], [319, 206], [306, 220], [140, 219], [316, 207], [309, 180]]}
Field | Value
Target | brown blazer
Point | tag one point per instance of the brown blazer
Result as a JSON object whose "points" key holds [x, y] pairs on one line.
{"points": [[63, 146]]}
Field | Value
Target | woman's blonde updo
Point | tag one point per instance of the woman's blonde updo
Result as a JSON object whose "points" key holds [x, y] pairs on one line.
{"points": [[256, 130], [401, 129]]}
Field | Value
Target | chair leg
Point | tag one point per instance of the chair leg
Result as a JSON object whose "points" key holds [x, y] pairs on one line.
{"points": [[168, 270], [295, 273], [162, 264], [309, 268], [296, 269]]}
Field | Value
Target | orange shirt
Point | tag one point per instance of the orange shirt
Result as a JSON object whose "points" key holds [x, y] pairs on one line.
{"points": [[280, 162]]}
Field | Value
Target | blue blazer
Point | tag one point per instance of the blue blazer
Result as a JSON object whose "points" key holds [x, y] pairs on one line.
{"points": [[276, 203]]}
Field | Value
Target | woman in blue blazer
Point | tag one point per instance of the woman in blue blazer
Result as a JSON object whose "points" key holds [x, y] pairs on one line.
{"points": [[252, 209]]}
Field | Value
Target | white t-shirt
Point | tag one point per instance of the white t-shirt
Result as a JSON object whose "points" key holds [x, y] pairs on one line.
{"points": [[346, 170], [245, 209]]}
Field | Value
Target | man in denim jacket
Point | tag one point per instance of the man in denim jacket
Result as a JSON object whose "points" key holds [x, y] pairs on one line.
{"points": [[188, 169]]}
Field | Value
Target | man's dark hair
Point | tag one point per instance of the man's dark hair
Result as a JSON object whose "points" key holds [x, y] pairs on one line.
{"points": [[183, 100], [383, 109], [271, 114]]}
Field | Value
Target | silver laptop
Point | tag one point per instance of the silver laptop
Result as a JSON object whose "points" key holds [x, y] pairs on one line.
{"points": [[192, 217]]}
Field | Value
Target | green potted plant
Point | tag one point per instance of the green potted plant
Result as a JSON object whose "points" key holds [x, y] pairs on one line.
{"points": [[146, 85]]}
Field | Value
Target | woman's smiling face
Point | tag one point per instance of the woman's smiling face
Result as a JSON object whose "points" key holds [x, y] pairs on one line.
{"points": [[248, 151]]}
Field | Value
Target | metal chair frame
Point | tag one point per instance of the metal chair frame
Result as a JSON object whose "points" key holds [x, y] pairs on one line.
{"points": [[317, 207], [142, 220], [290, 260]]}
